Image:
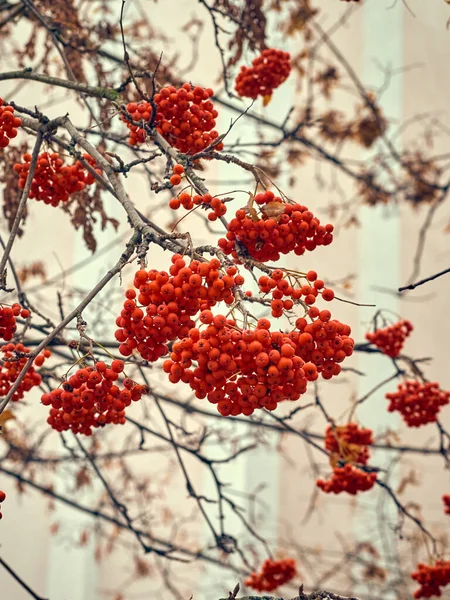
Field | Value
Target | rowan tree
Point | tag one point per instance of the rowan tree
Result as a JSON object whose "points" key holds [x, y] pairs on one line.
{"points": [[222, 321]]}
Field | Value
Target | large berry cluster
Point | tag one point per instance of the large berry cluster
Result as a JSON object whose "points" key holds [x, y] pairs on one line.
{"points": [[90, 398], [446, 501], [8, 124], [268, 71], [8, 324], [241, 370], [418, 403], [283, 228], [390, 339], [13, 363], [431, 578], [288, 287], [348, 443], [53, 182], [273, 574], [2, 499], [188, 202], [238, 370], [170, 300], [185, 117]]}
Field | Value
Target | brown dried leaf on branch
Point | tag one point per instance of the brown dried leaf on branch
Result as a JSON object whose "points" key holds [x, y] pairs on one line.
{"points": [[34, 269], [422, 175], [373, 572], [82, 478], [327, 79], [85, 210], [299, 19], [142, 568], [334, 127], [409, 479], [367, 129], [370, 191], [251, 30]]}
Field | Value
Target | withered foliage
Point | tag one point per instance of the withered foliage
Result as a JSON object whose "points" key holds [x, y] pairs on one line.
{"points": [[249, 16], [33, 270], [421, 180], [86, 210], [300, 15], [327, 80]]}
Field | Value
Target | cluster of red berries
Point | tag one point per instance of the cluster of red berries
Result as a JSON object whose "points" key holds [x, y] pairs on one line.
{"points": [[431, 578], [273, 574], [348, 443], [390, 339], [185, 117], [418, 403], [2, 499], [8, 324], [268, 71], [283, 228], [239, 370], [170, 300], [446, 501], [348, 479], [323, 343], [288, 285], [8, 124], [53, 182], [90, 398], [188, 202], [178, 171], [14, 359]]}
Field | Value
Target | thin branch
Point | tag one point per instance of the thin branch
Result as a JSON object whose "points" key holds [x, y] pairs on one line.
{"points": [[20, 581], [412, 286], [23, 199]]}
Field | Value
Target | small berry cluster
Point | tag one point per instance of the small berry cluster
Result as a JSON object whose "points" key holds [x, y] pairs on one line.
{"points": [[239, 370], [273, 574], [348, 443], [53, 182], [8, 124], [446, 501], [390, 339], [283, 228], [170, 300], [268, 71], [90, 398], [188, 202], [185, 117], [8, 324], [13, 363], [348, 479], [178, 171], [288, 285], [418, 403], [2, 499], [323, 344], [431, 578]]}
